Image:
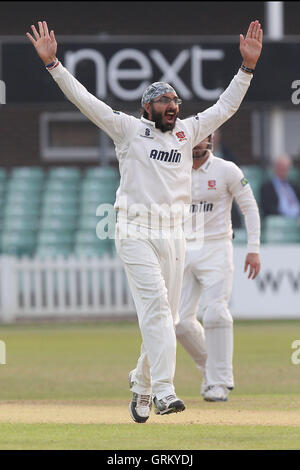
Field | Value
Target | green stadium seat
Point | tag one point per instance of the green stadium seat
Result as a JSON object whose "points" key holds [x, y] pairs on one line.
{"points": [[18, 242], [281, 229], [280, 237], [253, 173], [54, 243], [28, 223], [60, 199], [18, 197], [68, 211], [2, 207], [88, 222], [98, 196], [91, 250], [64, 173], [3, 186], [86, 236], [48, 237], [24, 185], [294, 175], [280, 222], [3, 174], [102, 173], [240, 236], [56, 224], [20, 209], [60, 213], [94, 185], [87, 243], [62, 186], [53, 251], [27, 173], [89, 209]]}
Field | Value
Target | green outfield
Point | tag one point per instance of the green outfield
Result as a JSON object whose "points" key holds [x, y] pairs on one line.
{"points": [[65, 386]]}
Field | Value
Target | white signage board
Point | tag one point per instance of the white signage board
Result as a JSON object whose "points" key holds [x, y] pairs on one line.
{"points": [[275, 293]]}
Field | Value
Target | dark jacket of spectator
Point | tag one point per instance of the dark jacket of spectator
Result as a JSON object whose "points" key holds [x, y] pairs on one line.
{"points": [[278, 195]]}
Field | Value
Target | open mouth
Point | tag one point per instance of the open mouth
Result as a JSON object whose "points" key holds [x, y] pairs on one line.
{"points": [[170, 117]]}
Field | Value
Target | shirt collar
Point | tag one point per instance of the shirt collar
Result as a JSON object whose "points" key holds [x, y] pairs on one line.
{"points": [[206, 166], [146, 121]]}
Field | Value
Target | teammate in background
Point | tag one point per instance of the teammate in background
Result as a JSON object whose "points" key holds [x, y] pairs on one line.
{"points": [[208, 269], [155, 161]]}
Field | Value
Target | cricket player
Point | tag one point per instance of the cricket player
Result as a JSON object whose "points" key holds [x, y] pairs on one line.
{"points": [[155, 161], [209, 267]]}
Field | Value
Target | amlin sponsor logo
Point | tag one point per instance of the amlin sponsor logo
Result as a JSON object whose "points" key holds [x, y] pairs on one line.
{"points": [[174, 156], [2, 92]]}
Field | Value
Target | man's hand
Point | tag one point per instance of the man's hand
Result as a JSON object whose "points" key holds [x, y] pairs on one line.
{"points": [[251, 45], [252, 260], [44, 43]]}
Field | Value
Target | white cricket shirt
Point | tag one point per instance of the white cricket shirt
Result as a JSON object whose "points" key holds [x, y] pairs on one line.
{"points": [[214, 185], [155, 167]]}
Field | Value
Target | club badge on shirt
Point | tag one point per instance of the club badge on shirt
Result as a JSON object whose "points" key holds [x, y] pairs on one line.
{"points": [[180, 136], [211, 184], [244, 181]]}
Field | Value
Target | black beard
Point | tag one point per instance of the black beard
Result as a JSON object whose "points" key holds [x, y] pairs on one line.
{"points": [[157, 118]]}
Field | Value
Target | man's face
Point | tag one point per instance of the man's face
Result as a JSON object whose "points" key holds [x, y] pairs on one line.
{"points": [[282, 168], [200, 151], [163, 114]]}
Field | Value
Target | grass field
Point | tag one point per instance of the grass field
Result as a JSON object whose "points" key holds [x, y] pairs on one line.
{"points": [[66, 387]]}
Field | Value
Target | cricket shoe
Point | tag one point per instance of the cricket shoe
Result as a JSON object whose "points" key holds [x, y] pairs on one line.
{"points": [[216, 393], [167, 405], [204, 386], [140, 405]]}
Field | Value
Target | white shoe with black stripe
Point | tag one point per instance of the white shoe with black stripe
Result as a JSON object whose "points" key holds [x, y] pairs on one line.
{"points": [[140, 405], [216, 393], [167, 405]]}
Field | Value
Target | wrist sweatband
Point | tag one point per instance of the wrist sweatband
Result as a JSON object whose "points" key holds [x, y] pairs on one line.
{"points": [[52, 65], [246, 69]]}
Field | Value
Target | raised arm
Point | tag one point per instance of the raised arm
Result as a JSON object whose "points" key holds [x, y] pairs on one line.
{"points": [[206, 122], [118, 125]]}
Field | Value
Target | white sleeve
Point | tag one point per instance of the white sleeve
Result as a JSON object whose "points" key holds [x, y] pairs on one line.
{"points": [[116, 124], [242, 192], [206, 122]]}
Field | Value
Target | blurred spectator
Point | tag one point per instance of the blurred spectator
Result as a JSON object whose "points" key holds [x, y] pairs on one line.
{"points": [[220, 150], [278, 195]]}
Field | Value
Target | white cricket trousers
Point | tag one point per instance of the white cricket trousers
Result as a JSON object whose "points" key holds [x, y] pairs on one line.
{"points": [[154, 269], [206, 291]]}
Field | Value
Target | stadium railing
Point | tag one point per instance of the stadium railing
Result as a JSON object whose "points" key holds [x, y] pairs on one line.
{"points": [[59, 287]]}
